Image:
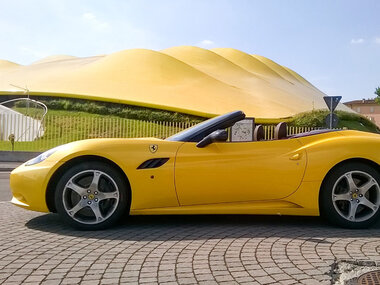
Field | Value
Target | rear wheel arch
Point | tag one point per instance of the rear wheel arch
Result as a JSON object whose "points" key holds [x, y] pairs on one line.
{"points": [[359, 167], [50, 191], [368, 162]]}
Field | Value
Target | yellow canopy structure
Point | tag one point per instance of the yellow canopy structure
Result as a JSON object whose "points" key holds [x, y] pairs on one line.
{"points": [[186, 79]]}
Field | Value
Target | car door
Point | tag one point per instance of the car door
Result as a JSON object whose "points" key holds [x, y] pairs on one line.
{"points": [[238, 171]]}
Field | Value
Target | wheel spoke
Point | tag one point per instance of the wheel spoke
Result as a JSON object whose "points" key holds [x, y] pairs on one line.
{"points": [[339, 197], [108, 195], [79, 206], [352, 210], [76, 188], [91, 196], [96, 210], [350, 180], [95, 181], [368, 204], [363, 189]]}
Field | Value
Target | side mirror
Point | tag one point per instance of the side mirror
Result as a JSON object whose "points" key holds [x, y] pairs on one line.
{"points": [[216, 136]]}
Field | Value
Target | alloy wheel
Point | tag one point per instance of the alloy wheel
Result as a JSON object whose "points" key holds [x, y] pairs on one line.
{"points": [[356, 196], [90, 197]]}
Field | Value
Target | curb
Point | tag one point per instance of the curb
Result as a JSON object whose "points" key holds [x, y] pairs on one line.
{"points": [[6, 169], [17, 156]]}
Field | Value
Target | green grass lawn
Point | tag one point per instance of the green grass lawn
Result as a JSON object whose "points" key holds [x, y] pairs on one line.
{"points": [[64, 126]]}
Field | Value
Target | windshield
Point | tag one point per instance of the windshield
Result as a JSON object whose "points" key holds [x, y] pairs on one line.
{"points": [[198, 132]]}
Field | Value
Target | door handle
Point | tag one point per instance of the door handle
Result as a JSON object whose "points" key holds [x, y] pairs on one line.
{"points": [[296, 156]]}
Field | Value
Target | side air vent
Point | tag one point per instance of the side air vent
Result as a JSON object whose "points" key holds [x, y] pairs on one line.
{"points": [[153, 163]]}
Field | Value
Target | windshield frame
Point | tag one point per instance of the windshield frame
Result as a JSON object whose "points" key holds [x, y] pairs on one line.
{"points": [[201, 130]]}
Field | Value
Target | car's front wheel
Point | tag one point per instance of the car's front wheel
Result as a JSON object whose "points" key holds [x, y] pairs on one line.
{"points": [[350, 196], [91, 196]]}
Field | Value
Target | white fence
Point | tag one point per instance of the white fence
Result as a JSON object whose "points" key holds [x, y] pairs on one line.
{"points": [[24, 128]]}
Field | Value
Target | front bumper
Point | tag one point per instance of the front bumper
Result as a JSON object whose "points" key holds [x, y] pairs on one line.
{"points": [[29, 183]]}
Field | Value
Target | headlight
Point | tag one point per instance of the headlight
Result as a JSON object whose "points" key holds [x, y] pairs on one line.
{"points": [[42, 156]]}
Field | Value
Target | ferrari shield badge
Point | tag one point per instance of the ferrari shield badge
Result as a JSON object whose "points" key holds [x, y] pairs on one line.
{"points": [[153, 148]]}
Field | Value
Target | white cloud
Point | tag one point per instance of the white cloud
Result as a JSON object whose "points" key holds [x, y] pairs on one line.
{"points": [[207, 42], [94, 22], [377, 40], [357, 41]]}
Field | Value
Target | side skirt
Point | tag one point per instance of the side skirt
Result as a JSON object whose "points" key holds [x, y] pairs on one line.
{"points": [[257, 207]]}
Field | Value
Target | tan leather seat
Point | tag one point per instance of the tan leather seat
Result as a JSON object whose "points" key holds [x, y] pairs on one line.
{"points": [[280, 131], [258, 133]]}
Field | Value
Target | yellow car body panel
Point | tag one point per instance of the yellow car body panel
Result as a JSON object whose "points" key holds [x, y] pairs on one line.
{"points": [[238, 171], [29, 184], [151, 187], [324, 151], [269, 177]]}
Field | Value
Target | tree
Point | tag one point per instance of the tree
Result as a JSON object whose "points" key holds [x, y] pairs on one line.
{"points": [[377, 93]]}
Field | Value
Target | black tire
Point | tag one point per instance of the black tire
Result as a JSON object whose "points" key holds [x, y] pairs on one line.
{"points": [[347, 206], [96, 203]]}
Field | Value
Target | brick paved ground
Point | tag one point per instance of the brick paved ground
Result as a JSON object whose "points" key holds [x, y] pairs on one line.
{"points": [[5, 191], [36, 248]]}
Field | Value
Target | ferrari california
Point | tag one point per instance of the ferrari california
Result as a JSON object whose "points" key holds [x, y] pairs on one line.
{"points": [[94, 183]]}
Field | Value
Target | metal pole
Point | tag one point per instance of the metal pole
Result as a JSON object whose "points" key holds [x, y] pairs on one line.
{"points": [[331, 114]]}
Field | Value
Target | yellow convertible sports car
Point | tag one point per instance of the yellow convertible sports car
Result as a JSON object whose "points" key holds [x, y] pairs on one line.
{"points": [[92, 183]]}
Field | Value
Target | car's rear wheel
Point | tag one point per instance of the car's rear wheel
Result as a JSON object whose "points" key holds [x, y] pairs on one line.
{"points": [[91, 196], [350, 196]]}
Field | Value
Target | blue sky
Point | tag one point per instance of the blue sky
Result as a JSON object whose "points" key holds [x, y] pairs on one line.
{"points": [[333, 44]]}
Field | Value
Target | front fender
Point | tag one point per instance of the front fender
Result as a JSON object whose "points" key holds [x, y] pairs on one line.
{"points": [[150, 188]]}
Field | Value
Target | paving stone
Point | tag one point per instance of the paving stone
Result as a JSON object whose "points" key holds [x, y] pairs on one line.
{"points": [[37, 248], [52, 282], [34, 278]]}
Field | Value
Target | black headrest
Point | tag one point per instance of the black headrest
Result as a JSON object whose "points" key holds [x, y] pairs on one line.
{"points": [[280, 131], [258, 133]]}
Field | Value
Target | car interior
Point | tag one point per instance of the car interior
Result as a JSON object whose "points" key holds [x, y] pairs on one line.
{"points": [[211, 130], [280, 132]]}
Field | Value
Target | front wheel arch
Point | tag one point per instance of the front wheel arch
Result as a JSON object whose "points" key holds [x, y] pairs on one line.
{"points": [[50, 191]]}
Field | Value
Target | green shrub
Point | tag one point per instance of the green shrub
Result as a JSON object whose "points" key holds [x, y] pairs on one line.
{"points": [[121, 110], [316, 118], [20, 104]]}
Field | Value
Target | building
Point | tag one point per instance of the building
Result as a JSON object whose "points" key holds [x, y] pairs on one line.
{"points": [[366, 107], [183, 79]]}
